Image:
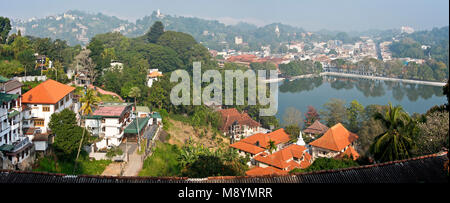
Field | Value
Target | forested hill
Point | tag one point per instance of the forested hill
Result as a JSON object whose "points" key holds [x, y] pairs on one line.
{"points": [[77, 27], [424, 44]]}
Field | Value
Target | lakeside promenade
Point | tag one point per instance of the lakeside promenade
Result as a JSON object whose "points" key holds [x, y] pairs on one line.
{"points": [[439, 84]]}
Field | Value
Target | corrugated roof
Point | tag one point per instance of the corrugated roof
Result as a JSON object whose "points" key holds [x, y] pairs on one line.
{"points": [[142, 109], [3, 79], [424, 169], [109, 111], [133, 125], [7, 97], [12, 84], [48, 92]]}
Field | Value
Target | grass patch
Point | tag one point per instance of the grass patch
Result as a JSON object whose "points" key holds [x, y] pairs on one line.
{"points": [[163, 162], [85, 166], [108, 98]]}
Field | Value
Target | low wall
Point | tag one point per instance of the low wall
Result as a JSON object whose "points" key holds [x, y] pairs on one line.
{"points": [[31, 78]]}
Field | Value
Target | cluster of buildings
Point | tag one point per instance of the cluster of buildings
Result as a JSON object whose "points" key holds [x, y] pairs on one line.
{"points": [[25, 121], [322, 51], [274, 152]]}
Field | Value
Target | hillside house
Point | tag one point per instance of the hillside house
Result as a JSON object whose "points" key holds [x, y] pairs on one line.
{"points": [[238, 125], [108, 122], [334, 143], [259, 143], [16, 150], [45, 99]]}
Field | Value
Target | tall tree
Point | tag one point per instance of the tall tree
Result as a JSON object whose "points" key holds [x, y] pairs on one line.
{"points": [[354, 114], [67, 133], [311, 116], [84, 62], [5, 27], [292, 116], [397, 142], [335, 112], [89, 101], [155, 32]]}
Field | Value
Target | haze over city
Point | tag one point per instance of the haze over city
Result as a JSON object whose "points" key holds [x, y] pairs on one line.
{"points": [[345, 15]]}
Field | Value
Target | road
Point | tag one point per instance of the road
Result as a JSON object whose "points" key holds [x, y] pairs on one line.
{"points": [[134, 164]]}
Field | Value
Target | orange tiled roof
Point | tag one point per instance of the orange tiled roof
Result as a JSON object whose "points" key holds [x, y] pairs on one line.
{"points": [[155, 74], [48, 92], [259, 171], [336, 138], [252, 149], [283, 159], [350, 152], [278, 136]]}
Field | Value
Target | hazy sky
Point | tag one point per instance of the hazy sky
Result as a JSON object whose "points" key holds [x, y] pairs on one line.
{"points": [[343, 15]]}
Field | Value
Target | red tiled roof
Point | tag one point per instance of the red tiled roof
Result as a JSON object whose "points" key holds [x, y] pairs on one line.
{"points": [[336, 138], [113, 111], [243, 58], [48, 92], [229, 116], [252, 149], [259, 171]]}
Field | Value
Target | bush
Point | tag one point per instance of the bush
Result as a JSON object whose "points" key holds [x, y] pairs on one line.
{"points": [[114, 152]]}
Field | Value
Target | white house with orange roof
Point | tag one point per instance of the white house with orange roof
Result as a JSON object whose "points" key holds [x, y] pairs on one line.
{"points": [[336, 142], [238, 125], [152, 76], [45, 99], [259, 143]]}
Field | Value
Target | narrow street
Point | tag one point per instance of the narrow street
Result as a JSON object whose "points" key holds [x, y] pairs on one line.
{"points": [[134, 164]]}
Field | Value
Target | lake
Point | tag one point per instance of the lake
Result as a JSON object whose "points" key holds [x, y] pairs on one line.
{"points": [[301, 93]]}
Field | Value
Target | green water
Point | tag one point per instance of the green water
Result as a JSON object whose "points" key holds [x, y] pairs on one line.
{"points": [[317, 91]]}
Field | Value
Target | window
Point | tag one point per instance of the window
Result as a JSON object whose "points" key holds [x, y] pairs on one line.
{"points": [[39, 122], [46, 108]]}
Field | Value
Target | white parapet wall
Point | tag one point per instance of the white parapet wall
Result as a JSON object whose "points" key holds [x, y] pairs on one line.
{"points": [[31, 78]]}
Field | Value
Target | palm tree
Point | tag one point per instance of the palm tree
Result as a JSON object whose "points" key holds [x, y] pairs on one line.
{"points": [[89, 101], [396, 142], [272, 146], [136, 92]]}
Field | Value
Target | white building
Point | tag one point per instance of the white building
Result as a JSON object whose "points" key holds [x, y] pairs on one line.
{"points": [[15, 148], [238, 40], [45, 99], [153, 76], [108, 122]]}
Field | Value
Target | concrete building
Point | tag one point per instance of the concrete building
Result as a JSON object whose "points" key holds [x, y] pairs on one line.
{"points": [[16, 150], [45, 99], [108, 122]]}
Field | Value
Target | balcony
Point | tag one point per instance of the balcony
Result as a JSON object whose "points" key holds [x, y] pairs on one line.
{"points": [[16, 147]]}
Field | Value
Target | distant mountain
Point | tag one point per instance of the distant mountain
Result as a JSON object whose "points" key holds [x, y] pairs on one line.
{"points": [[75, 27], [78, 27]]}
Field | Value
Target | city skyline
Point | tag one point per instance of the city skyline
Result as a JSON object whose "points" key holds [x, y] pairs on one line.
{"points": [[344, 15]]}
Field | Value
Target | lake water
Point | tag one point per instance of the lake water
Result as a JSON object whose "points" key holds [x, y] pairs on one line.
{"points": [[317, 91]]}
